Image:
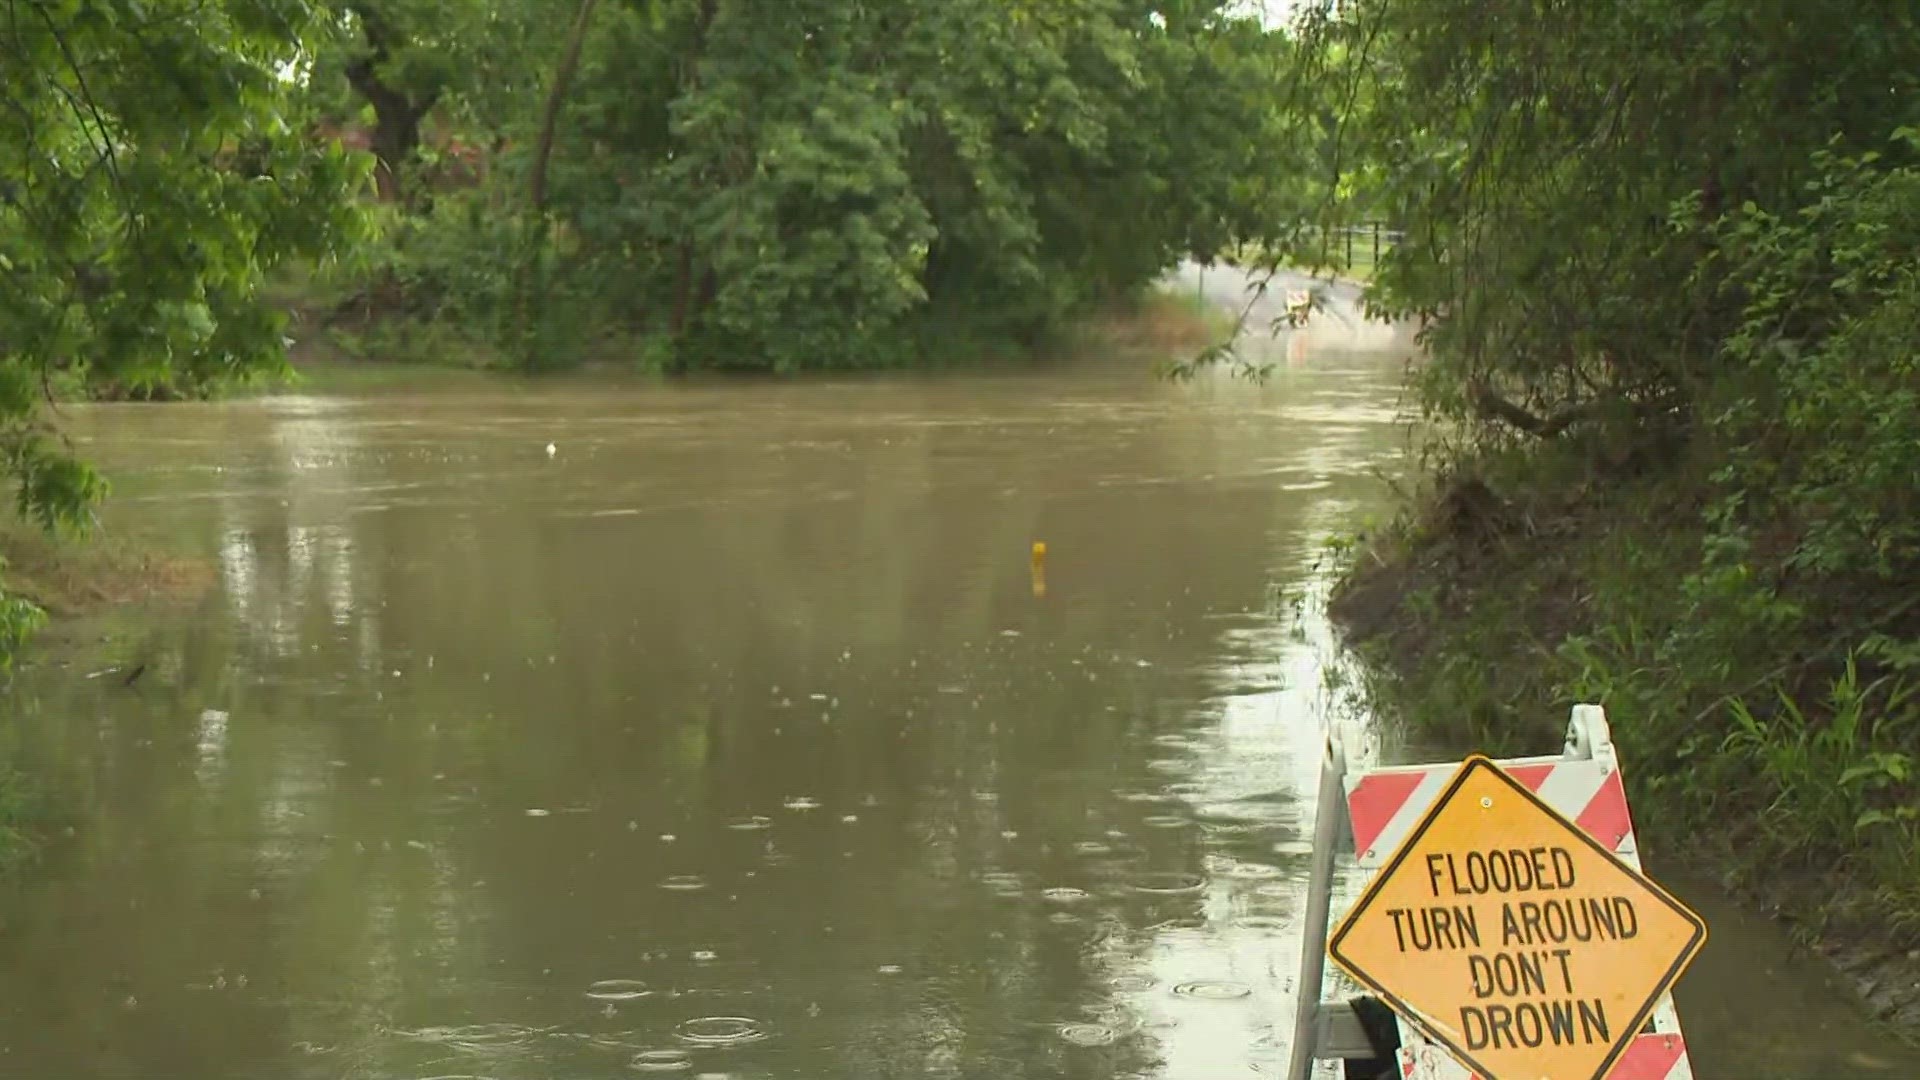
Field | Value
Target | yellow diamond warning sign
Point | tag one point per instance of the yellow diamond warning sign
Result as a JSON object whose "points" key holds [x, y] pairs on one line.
{"points": [[1511, 937]]}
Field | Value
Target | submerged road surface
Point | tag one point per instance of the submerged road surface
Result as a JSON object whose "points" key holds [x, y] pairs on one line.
{"points": [[735, 736]]}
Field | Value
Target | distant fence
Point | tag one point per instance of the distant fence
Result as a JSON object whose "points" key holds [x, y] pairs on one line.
{"points": [[1361, 245]]}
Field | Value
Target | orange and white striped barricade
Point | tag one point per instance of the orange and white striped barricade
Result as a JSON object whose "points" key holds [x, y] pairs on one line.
{"points": [[1398, 823]]}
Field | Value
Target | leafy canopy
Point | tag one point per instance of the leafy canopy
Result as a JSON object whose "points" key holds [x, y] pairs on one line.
{"points": [[150, 176]]}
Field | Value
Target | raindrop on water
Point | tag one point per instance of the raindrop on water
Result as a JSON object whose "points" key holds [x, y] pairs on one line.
{"points": [[661, 1061], [684, 883], [617, 990], [1252, 870], [721, 1030], [1262, 922], [1004, 882], [1174, 924], [1088, 1034], [1212, 990], [1171, 883]]}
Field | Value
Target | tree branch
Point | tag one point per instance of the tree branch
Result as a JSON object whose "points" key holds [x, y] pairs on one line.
{"points": [[1489, 405], [556, 96], [91, 108]]}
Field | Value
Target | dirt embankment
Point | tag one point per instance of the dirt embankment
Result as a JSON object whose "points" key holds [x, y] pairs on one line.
{"points": [[1489, 608]]}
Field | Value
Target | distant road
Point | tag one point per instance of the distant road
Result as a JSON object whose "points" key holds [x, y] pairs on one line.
{"points": [[1339, 324]]}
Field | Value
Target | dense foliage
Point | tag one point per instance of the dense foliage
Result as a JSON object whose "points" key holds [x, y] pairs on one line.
{"points": [[149, 178], [804, 185], [675, 183], [1665, 257]]}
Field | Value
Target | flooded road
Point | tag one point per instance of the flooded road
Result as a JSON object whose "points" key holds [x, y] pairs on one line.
{"points": [[737, 736]]}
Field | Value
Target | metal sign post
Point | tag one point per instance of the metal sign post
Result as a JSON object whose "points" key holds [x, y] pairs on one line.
{"points": [[1329, 819], [1506, 922]]}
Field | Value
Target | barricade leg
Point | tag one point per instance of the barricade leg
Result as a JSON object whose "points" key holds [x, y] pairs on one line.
{"points": [[1330, 807]]}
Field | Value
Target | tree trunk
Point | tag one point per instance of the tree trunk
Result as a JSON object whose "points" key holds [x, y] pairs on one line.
{"points": [[396, 135], [682, 290], [556, 96], [397, 114], [685, 287], [709, 289]]}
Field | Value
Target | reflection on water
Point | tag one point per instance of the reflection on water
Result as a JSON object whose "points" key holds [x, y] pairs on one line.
{"points": [[731, 737]]}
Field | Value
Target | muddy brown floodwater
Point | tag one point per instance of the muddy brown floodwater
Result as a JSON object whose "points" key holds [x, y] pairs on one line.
{"points": [[732, 737]]}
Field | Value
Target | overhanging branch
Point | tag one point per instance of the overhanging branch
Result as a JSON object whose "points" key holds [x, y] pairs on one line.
{"points": [[1489, 405]]}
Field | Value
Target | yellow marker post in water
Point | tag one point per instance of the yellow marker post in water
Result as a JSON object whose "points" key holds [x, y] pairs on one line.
{"points": [[1039, 568]]}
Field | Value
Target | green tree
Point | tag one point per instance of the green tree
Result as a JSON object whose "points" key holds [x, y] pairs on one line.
{"points": [[1536, 153], [400, 61], [830, 184], [983, 153], [1663, 251], [149, 178]]}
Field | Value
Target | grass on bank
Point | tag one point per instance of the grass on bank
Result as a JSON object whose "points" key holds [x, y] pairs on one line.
{"points": [[74, 577], [1514, 587], [1163, 322]]}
